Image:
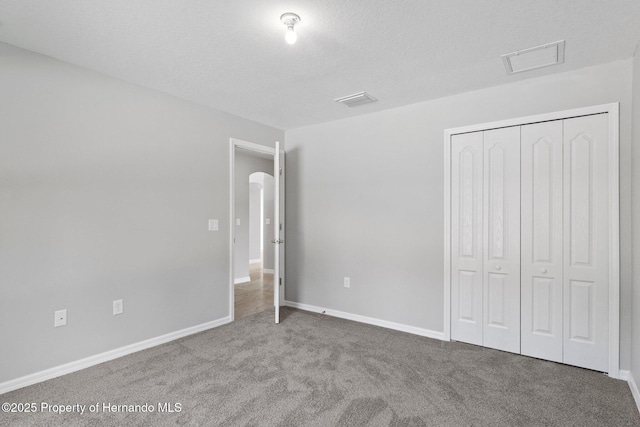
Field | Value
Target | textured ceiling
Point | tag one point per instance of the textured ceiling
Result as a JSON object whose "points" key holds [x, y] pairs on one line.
{"points": [[231, 55]]}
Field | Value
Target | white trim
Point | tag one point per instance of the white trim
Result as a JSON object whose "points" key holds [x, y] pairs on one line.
{"points": [[368, 320], [634, 388], [87, 362], [624, 375], [241, 280], [613, 110], [269, 270], [447, 235], [255, 261], [251, 146], [614, 240], [255, 148], [232, 213]]}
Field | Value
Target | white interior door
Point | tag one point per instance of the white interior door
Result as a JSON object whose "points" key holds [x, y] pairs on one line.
{"points": [[501, 246], [586, 242], [541, 233], [278, 223], [466, 238]]}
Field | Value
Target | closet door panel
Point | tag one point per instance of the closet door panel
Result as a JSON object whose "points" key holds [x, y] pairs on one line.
{"points": [[586, 242], [541, 154], [501, 239], [466, 238]]}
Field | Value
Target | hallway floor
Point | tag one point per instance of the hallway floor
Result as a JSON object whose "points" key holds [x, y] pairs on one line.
{"points": [[254, 296]]}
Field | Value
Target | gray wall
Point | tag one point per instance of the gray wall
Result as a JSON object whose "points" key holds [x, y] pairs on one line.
{"points": [[261, 181], [365, 196], [255, 219], [105, 192], [269, 249], [246, 164], [635, 333], [268, 196]]}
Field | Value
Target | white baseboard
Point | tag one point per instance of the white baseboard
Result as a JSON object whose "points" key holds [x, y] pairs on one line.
{"points": [[241, 280], [634, 389], [268, 270], [255, 261], [369, 320], [78, 365]]}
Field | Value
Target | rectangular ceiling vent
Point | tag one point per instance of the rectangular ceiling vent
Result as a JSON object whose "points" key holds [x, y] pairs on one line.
{"points": [[356, 99], [535, 57]]}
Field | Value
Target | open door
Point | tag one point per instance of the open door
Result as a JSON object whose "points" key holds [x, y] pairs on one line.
{"points": [[278, 223]]}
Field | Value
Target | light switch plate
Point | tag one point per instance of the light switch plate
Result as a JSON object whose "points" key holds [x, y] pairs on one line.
{"points": [[267, 221], [60, 318], [237, 221], [213, 225]]}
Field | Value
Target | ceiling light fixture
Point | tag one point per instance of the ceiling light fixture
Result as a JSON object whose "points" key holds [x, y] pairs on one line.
{"points": [[290, 20]]}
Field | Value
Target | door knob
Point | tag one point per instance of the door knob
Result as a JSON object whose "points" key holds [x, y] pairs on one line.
{"points": [[498, 268], [543, 270]]}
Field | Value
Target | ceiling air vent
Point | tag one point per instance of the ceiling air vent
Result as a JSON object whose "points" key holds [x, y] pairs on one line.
{"points": [[356, 99], [534, 57]]}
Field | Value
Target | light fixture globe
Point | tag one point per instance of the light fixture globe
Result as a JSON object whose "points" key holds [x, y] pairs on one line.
{"points": [[290, 20], [290, 35]]}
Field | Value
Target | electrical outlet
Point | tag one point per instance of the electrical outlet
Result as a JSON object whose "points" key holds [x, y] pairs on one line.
{"points": [[60, 318], [118, 307], [213, 225], [347, 282]]}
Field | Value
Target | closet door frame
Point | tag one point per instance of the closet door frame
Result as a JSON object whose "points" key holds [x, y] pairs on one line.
{"points": [[613, 111]]}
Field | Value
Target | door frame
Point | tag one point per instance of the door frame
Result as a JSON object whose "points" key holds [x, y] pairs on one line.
{"points": [[613, 110], [255, 149]]}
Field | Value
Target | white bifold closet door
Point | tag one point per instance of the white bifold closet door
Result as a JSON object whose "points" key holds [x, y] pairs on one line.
{"points": [[530, 240], [565, 253], [466, 237], [485, 238], [541, 147], [501, 293], [586, 242]]}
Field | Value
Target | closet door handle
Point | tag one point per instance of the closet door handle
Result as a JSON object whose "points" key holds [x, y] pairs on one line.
{"points": [[543, 270], [498, 268]]}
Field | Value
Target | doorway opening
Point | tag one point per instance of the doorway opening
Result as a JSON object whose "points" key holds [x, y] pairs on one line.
{"points": [[257, 228], [256, 294]]}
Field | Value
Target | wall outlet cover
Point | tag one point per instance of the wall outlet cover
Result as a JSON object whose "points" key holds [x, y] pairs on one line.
{"points": [[118, 307]]}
